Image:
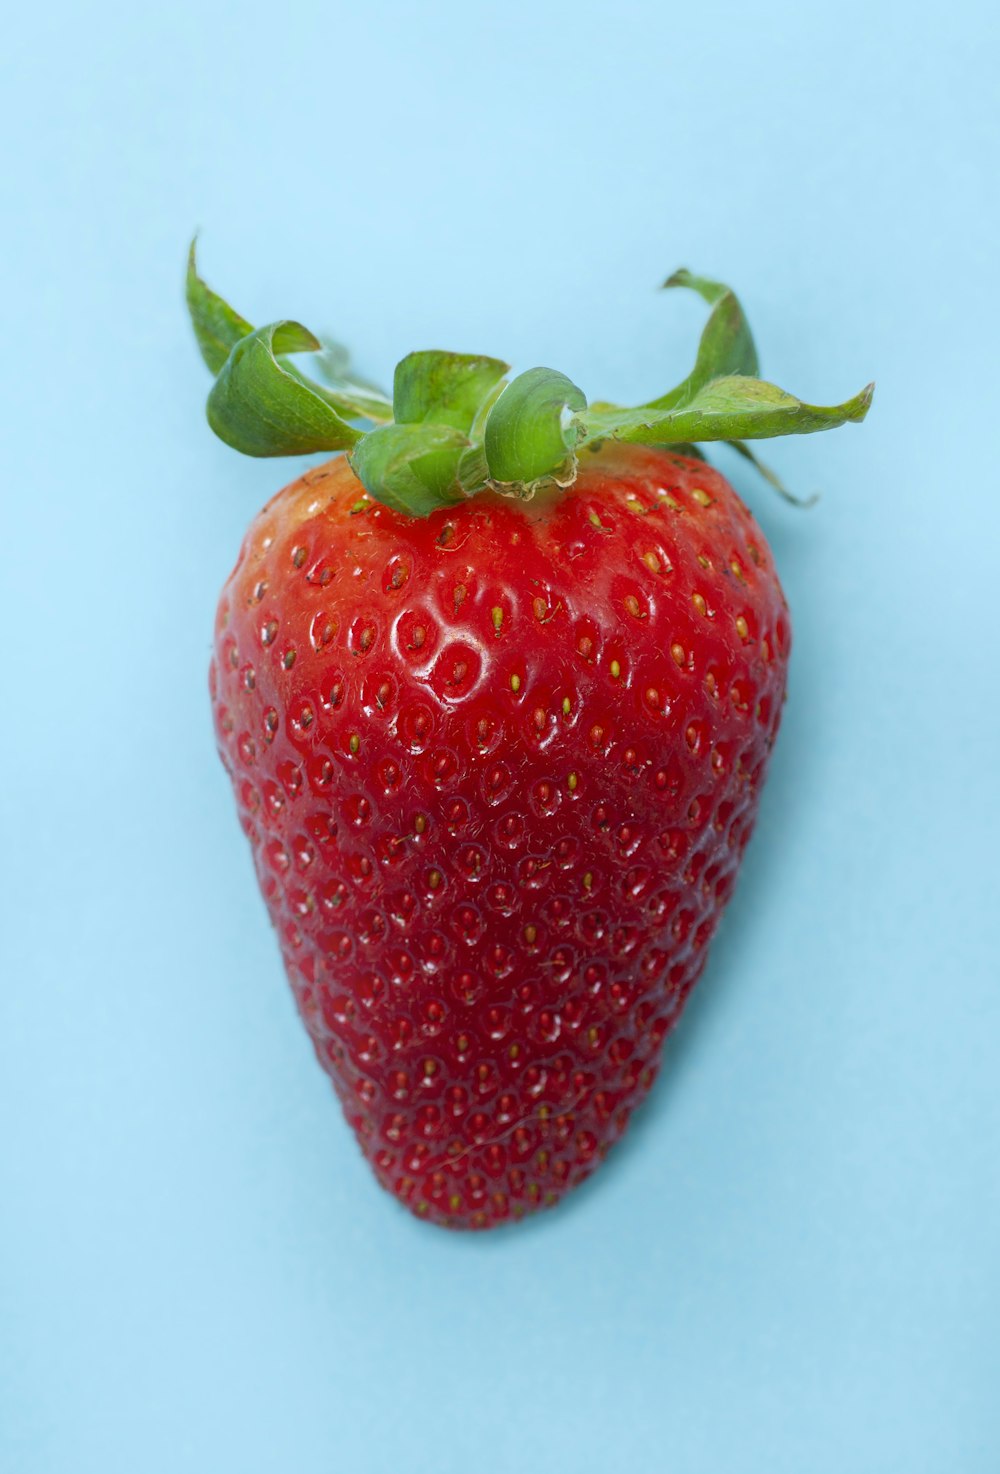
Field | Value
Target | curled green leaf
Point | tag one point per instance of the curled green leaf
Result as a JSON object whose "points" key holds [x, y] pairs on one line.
{"points": [[533, 427], [445, 388], [726, 345], [263, 407], [217, 326], [411, 468]]}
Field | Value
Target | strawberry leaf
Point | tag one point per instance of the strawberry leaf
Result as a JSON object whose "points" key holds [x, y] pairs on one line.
{"points": [[726, 346], [264, 407], [529, 433], [411, 468], [217, 326], [443, 388], [731, 408]]}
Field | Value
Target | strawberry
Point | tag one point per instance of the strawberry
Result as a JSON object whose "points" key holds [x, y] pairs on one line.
{"points": [[497, 692]]}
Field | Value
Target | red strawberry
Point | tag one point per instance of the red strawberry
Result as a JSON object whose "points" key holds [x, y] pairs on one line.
{"points": [[498, 761]]}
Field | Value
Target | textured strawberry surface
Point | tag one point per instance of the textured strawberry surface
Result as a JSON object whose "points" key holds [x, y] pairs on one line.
{"points": [[498, 767]]}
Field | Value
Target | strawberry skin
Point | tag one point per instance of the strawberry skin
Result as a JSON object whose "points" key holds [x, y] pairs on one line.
{"points": [[498, 766]]}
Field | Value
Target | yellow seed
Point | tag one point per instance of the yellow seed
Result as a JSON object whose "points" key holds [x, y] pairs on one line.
{"points": [[677, 651], [572, 781], [355, 743], [430, 1067], [742, 628], [497, 614], [515, 683], [703, 561], [675, 506], [632, 605], [652, 562], [588, 880], [616, 669], [420, 823], [567, 706], [701, 497], [699, 603], [434, 879], [514, 1051], [530, 933]]}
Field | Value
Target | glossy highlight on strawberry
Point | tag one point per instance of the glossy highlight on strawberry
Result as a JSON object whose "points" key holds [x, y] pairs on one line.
{"points": [[497, 690]]}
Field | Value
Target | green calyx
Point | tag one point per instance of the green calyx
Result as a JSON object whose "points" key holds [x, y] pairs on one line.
{"points": [[455, 425]]}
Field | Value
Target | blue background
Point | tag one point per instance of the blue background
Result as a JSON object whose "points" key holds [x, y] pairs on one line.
{"points": [[792, 1264]]}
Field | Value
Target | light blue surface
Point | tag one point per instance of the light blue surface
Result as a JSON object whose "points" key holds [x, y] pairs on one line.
{"points": [[792, 1265]]}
